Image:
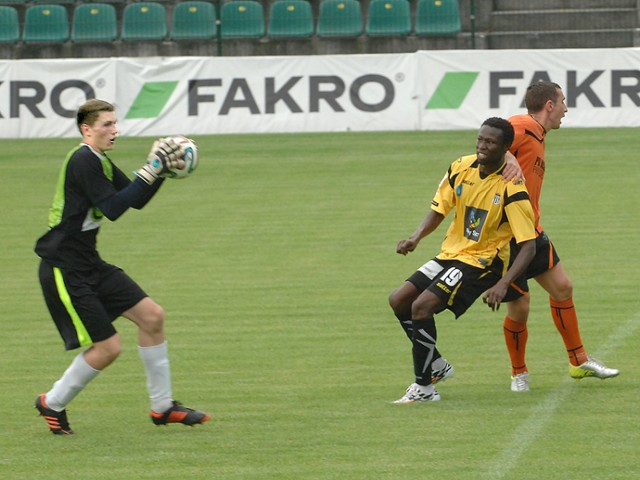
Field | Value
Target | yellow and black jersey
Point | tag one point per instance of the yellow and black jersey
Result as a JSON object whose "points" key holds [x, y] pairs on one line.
{"points": [[488, 213]]}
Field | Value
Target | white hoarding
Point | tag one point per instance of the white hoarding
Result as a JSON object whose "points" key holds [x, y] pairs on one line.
{"points": [[415, 91], [461, 89]]}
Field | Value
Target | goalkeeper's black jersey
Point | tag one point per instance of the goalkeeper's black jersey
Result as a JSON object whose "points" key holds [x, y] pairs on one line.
{"points": [[86, 178]]}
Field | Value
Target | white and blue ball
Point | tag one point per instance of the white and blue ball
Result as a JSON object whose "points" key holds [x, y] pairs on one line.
{"points": [[188, 153]]}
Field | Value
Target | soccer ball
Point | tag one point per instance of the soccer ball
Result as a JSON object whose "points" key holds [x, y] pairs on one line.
{"points": [[189, 153]]}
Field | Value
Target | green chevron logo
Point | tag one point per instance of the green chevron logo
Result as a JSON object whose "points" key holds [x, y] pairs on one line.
{"points": [[151, 99], [452, 90]]}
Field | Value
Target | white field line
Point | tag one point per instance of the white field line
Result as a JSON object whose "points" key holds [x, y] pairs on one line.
{"points": [[530, 429]]}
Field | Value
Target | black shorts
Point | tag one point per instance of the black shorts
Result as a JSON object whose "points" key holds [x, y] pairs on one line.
{"points": [[84, 304], [456, 283], [546, 258]]}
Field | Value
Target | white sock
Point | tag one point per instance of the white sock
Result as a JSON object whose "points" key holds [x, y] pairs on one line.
{"points": [[72, 382], [156, 366], [426, 389], [439, 364]]}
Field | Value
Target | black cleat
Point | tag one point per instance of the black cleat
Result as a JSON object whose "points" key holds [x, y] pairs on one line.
{"points": [[57, 421], [178, 413]]}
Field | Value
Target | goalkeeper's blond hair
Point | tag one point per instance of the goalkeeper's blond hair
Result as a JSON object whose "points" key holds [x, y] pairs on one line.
{"points": [[89, 112]]}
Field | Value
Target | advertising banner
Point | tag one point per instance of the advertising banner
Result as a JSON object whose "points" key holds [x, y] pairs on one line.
{"points": [[461, 89], [266, 94], [428, 90], [39, 98]]}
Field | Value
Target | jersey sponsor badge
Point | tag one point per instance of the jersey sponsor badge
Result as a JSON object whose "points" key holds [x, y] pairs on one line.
{"points": [[474, 219]]}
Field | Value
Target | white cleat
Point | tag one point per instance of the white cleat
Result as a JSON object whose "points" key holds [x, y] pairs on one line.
{"points": [[520, 382], [442, 374], [419, 393]]}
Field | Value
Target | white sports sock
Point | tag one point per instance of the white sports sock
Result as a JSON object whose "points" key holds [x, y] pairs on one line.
{"points": [[438, 364], [156, 365], [72, 382]]}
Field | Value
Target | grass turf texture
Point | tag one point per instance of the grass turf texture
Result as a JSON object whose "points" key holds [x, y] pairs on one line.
{"points": [[274, 262]]}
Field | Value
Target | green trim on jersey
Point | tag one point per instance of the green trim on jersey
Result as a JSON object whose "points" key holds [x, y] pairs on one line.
{"points": [[83, 336], [55, 212], [107, 168]]}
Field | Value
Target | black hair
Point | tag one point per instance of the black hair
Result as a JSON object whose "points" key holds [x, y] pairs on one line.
{"points": [[505, 126]]}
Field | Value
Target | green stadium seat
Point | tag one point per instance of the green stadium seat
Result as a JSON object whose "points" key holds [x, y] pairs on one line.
{"points": [[340, 18], [242, 18], [94, 22], [290, 18], [144, 21], [437, 17], [9, 25], [193, 20], [51, 2], [389, 17], [46, 23]]}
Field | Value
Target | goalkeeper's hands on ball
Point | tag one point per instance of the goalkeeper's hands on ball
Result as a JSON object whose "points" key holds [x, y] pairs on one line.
{"points": [[165, 154]]}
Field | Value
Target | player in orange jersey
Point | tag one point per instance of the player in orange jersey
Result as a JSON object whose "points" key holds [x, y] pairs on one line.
{"points": [[546, 107]]}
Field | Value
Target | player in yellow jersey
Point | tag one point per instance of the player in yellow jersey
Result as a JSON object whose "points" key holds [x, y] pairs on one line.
{"points": [[488, 212], [546, 108]]}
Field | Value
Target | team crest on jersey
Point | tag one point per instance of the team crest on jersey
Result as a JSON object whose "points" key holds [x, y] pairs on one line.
{"points": [[496, 199], [474, 219], [459, 190]]}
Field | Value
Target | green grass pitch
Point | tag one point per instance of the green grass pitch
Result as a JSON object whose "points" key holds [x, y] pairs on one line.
{"points": [[274, 262]]}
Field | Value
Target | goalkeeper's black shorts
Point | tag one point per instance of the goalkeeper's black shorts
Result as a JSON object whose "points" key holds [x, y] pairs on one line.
{"points": [[84, 304]]}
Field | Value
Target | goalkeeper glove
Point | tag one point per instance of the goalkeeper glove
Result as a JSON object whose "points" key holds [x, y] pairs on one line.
{"points": [[165, 154]]}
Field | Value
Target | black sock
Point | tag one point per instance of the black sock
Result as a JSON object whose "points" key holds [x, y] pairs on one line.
{"points": [[424, 347], [407, 326]]}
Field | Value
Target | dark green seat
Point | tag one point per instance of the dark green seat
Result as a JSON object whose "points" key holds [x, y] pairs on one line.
{"points": [[46, 23], [50, 2], [144, 21], [290, 18], [194, 20], [242, 18], [389, 17], [9, 25], [340, 18], [437, 17], [94, 22]]}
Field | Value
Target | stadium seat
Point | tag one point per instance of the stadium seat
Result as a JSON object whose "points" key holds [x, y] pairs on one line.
{"points": [[242, 18], [290, 18], [194, 20], [437, 17], [340, 18], [144, 21], [94, 22], [50, 2], [389, 17], [46, 23], [9, 25]]}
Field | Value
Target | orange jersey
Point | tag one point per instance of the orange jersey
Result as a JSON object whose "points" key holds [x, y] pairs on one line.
{"points": [[528, 148]]}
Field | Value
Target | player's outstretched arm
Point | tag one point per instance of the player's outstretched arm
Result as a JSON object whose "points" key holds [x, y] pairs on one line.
{"points": [[495, 294], [164, 154], [428, 225]]}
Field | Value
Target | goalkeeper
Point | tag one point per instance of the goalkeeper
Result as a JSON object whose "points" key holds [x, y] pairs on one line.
{"points": [[84, 293]]}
